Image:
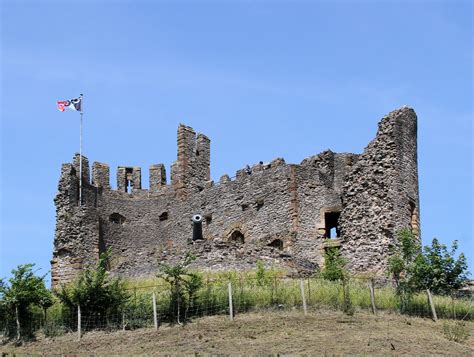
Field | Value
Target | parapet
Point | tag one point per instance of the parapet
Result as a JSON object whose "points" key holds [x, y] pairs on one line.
{"points": [[129, 178], [101, 175], [76, 163], [157, 177]]}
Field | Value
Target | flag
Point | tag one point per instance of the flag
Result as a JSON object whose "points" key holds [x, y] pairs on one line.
{"points": [[74, 104]]}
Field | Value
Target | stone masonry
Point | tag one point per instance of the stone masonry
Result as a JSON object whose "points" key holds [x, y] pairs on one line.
{"points": [[283, 214]]}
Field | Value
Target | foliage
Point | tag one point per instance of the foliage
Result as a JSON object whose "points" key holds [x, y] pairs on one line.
{"points": [[335, 270], [98, 295], [264, 277], [437, 269], [401, 266], [183, 286], [211, 298], [334, 265], [24, 290], [401, 261]]}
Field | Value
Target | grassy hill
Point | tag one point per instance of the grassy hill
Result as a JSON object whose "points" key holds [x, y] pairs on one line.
{"points": [[269, 332]]}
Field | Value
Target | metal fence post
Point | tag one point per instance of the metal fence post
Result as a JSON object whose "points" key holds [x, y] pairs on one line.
{"points": [[231, 308], [303, 297]]}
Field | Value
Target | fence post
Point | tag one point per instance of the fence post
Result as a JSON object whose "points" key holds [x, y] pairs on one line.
{"points": [[275, 285], [303, 297], [372, 295], [18, 327], [309, 290], [155, 317], [433, 310], [79, 322], [231, 308]]}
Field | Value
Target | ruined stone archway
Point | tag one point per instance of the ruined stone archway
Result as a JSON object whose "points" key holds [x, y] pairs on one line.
{"points": [[237, 236], [236, 232]]}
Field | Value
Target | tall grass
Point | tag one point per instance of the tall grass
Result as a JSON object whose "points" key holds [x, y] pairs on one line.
{"points": [[253, 291], [274, 291]]}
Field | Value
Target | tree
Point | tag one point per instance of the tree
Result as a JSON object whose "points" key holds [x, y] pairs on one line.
{"points": [[437, 269], [24, 289], [183, 285], [403, 257], [98, 295], [433, 267]]}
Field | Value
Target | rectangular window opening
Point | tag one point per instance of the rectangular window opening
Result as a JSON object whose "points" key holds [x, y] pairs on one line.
{"points": [[331, 224]]}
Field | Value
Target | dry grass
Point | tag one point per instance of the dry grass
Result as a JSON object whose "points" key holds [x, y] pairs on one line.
{"points": [[323, 332]]}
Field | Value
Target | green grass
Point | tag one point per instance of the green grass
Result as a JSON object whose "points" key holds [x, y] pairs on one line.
{"points": [[272, 290], [253, 291]]}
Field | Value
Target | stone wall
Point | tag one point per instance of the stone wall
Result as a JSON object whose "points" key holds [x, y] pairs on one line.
{"points": [[279, 213], [380, 193]]}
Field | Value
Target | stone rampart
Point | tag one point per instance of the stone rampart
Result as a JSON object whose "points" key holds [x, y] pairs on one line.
{"points": [[283, 214]]}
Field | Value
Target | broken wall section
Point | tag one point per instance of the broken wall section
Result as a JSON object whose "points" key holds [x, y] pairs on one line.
{"points": [[76, 241], [380, 194], [192, 169]]}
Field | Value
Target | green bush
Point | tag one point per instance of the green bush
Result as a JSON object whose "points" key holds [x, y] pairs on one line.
{"points": [[183, 286], [100, 297]]}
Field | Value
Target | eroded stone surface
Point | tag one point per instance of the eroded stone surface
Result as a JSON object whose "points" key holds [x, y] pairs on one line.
{"points": [[278, 209]]}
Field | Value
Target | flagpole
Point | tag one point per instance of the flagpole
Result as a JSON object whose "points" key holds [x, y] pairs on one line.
{"points": [[80, 154]]}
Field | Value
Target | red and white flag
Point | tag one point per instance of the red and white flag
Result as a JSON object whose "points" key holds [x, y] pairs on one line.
{"points": [[74, 104]]}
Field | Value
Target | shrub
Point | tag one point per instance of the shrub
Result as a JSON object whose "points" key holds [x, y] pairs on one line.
{"points": [[183, 286], [334, 265], [455, 331], [99, 296]]}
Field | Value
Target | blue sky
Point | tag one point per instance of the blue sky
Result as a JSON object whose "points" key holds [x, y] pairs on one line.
{"points": [[262, 79]]}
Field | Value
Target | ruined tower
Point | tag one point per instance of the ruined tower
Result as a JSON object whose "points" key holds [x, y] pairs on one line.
{"points": [[284, 214]]}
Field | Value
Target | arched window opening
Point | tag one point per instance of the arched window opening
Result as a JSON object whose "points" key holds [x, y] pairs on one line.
{"points": [[116, 218], [237, 236], [276, 243]]}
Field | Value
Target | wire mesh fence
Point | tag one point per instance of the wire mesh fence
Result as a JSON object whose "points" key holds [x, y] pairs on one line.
{"points": [[155, 304]]}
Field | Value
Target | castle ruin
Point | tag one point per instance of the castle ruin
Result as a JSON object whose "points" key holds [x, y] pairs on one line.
{"points": [[283, 214]]}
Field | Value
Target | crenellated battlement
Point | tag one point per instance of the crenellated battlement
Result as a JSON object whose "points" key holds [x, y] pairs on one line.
{"points": [[330, 168], [285, 214]]}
